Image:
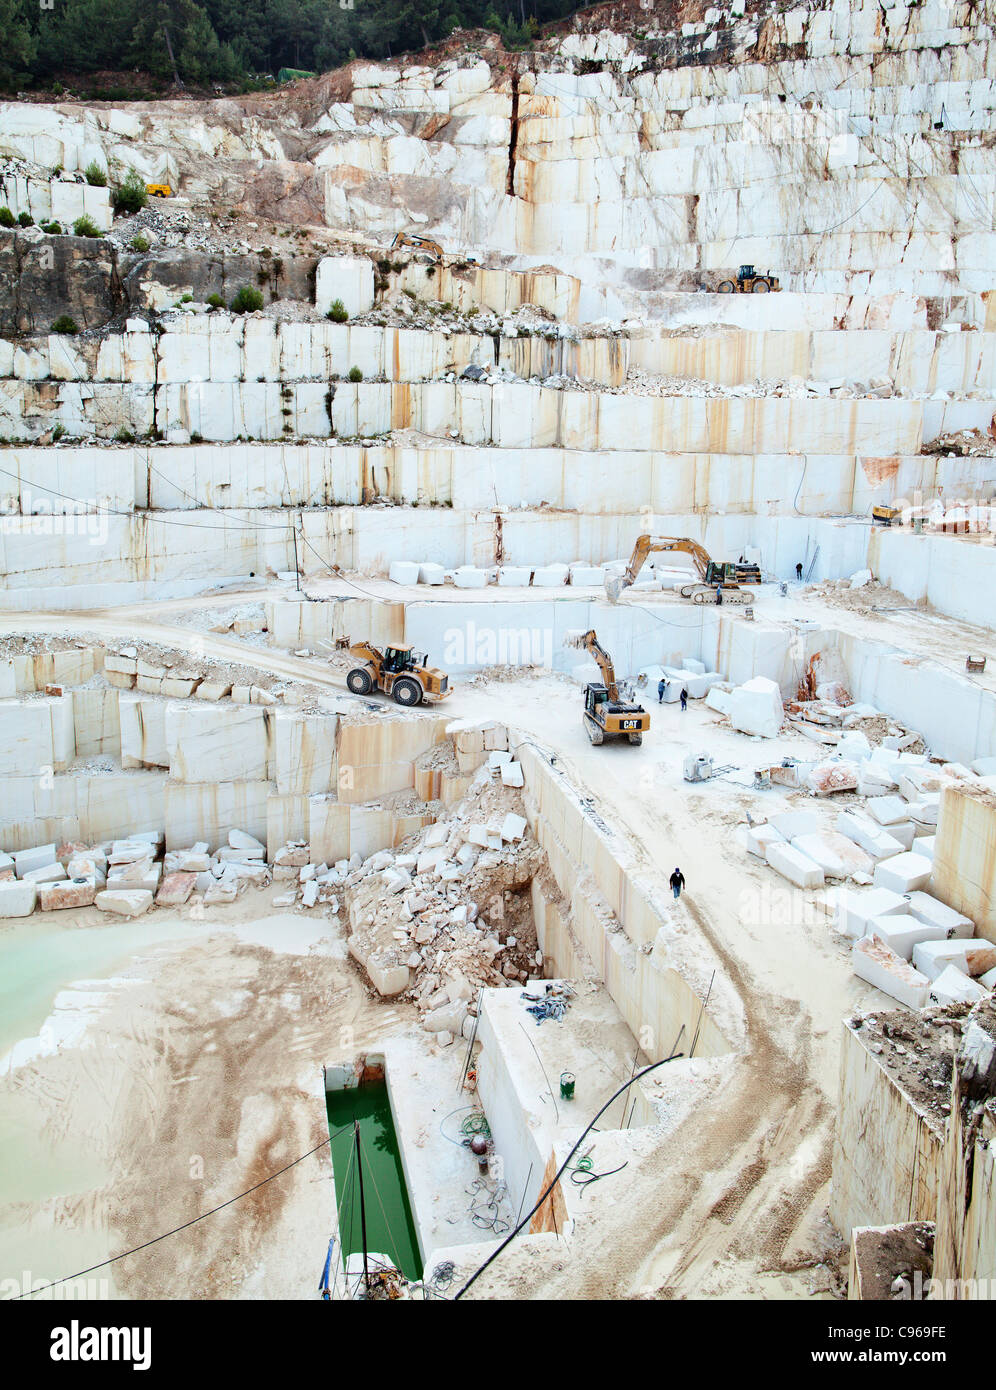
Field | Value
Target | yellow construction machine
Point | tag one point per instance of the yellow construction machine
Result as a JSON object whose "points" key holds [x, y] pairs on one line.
{"points": [[417, 243], [159, 190], [749, 282], [885, 516], [712, 573], [398, 671], [606, 713]]}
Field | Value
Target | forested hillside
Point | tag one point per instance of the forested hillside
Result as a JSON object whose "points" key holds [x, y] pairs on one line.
{"points": [[236, 41]]}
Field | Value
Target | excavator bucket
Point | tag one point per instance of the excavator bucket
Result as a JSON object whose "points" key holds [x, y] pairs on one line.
{"points": [[574, 637], [614, 586]]}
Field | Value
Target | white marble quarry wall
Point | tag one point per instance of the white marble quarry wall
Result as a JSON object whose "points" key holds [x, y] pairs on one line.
{"points": [[217, 347], [346, 279], [499, 290], [65, 560], [100, 553], [198, 771], [310, 624], [221, 385], [56, 199], [525, 416], [369, 539], [956, 716], [39, 480], [887, 1150], [953, 576], [79, 806], [912, 361]]}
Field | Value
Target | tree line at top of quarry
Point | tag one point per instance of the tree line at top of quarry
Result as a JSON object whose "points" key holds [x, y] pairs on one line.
{"points": [[134, 49]]}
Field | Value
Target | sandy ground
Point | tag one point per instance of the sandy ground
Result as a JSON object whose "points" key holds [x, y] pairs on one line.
{"points": [[199, 1075]]}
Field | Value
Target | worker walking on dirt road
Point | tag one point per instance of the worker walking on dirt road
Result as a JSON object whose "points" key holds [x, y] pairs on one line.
{"points": [[661, 687], [677, 882], [684, 699]]}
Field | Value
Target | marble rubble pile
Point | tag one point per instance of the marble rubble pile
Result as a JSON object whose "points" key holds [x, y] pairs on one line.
{"points": [[445, 916]]}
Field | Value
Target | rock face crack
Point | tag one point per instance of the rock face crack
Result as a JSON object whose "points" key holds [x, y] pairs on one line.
{"points": [[513, 137]]}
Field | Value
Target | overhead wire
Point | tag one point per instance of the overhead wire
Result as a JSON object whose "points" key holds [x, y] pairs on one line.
{"points": [[563, 1167], [103, 1264]]}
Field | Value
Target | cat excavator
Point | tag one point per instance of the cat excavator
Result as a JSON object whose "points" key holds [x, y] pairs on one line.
{"points": [[606, 713], [418, 243], [727, 575]]}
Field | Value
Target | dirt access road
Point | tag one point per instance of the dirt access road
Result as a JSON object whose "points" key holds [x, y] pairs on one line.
{"points": [[733, 1204]]}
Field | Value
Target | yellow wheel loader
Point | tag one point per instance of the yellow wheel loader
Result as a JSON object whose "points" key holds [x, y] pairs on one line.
{"points": [[606, 714], [398, 671], [748, 282], [726, 575]]}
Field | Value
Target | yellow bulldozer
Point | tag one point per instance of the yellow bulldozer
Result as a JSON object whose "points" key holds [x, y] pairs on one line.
{"points": [[398, 671], [749, 282], [730, 577], [606, 713], [417, 243]]}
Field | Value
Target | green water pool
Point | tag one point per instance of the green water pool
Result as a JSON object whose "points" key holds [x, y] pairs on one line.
{"points": [[390, 1227]]}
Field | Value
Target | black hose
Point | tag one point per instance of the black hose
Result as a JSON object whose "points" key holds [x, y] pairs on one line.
{"points": [[560, 1171]]}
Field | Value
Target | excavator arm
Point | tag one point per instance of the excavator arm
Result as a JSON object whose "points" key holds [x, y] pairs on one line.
{"points": [[649, 545], [588, 642], [417, 243]]}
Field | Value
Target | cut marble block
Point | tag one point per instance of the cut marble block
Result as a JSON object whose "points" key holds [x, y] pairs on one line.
{"points": [[587, 576], [887, 810], [876, 963], [17, 897], [76, 892], [836, 855], [759, 837], [903, 872], [511, 774], [871, 837], [931, 958], [832, 776], [874, 779], [904, 832], [431, 574], [756, 708], [550, 577], [469, 577], [124, 902], [902, 933], [403, 572], [952, 987], [797, 868], [514, 577], [926, 908], [27, 859], [790, 824], [856, 910]]}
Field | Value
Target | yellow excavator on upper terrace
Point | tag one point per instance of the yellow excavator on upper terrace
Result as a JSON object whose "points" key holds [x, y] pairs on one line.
{"points": [[728, 576], [418, 243]]}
